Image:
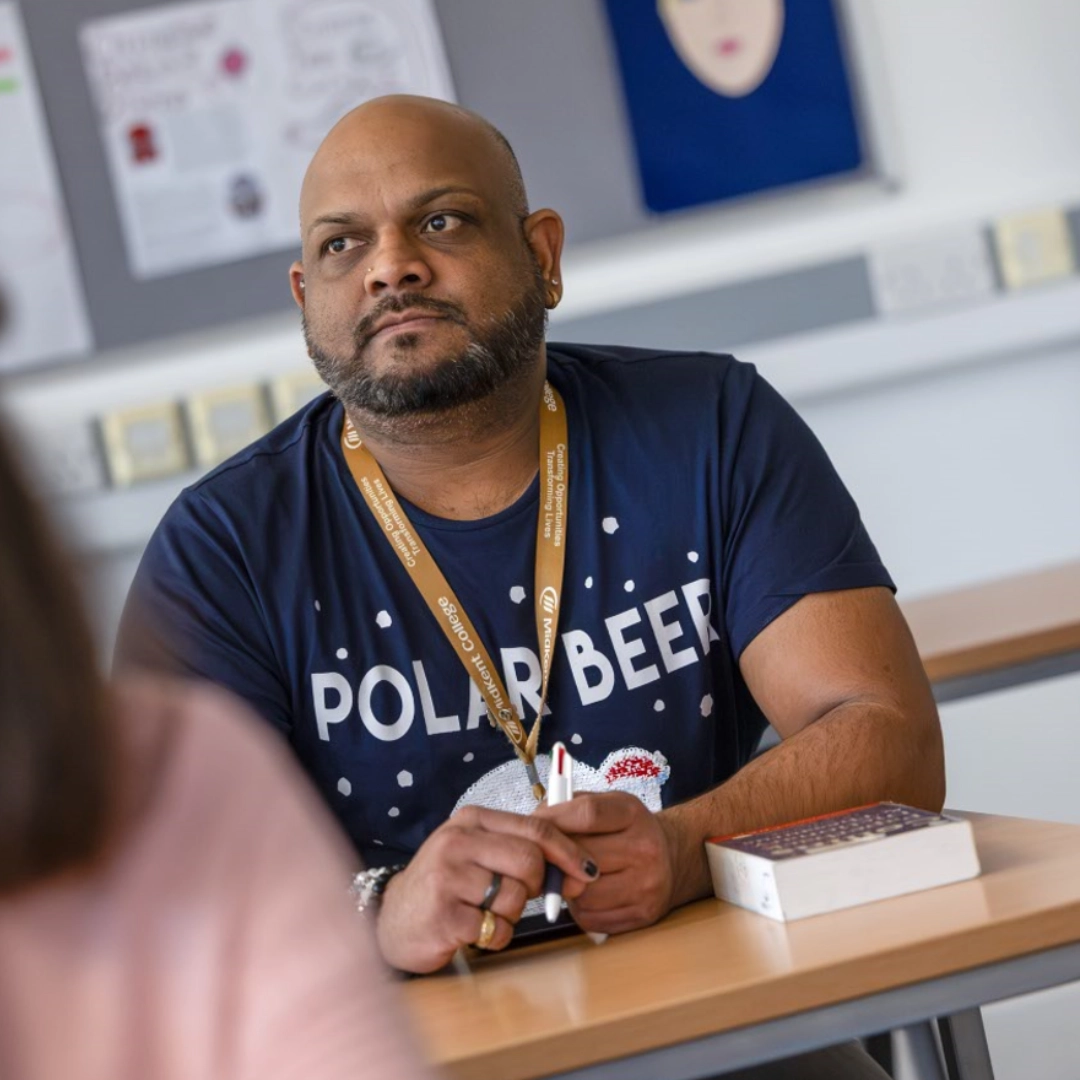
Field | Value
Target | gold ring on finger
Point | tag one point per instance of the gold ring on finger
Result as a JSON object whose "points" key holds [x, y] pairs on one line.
{"points": [[487, 931]]}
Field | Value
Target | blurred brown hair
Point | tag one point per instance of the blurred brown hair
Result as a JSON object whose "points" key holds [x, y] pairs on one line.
{"points": [[57, 744]]}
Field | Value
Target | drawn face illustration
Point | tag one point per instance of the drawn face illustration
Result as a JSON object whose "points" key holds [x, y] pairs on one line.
{"points": [[729, 45]]}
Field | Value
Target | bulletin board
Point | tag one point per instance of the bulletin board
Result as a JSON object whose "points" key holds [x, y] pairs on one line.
{"points": [[546, 74], [142, 277]]}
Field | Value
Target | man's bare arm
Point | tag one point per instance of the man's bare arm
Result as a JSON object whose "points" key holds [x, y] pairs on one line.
{"points": [[839, 677]]}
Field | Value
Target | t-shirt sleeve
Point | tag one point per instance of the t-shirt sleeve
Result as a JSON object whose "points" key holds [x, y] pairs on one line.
{"points": [[790, 526], [193, 610]]}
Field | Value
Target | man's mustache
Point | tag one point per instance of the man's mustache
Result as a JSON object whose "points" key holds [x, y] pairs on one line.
{"points": [[395, 305]]}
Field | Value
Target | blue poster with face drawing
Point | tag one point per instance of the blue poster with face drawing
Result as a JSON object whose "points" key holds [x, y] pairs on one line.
{"points": [[727, 98]]}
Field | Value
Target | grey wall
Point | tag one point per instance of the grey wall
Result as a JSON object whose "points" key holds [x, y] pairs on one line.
{"points": [[544, 72], [720, 319], [541, 71], [123, 310]]}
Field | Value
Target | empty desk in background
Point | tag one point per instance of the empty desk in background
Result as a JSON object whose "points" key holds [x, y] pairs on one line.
{"points": [[996, 634], [713, 988], [1000, 633]]}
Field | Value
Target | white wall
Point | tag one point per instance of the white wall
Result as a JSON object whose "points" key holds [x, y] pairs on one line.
{"points": [[965, 471], [967, 474]]}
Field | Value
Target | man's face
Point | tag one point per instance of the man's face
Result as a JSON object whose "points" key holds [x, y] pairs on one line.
{"points": [[729, 45], [420, 290]]}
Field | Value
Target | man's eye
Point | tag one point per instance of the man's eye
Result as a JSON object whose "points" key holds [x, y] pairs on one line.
{"points": [[339, 245], [442, 223]]}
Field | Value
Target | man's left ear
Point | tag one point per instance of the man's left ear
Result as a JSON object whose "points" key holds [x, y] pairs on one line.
{"points": [[544, 233], [296, 283]]}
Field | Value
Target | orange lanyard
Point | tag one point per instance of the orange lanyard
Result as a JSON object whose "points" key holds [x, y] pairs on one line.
{"points": [[440, 598]]}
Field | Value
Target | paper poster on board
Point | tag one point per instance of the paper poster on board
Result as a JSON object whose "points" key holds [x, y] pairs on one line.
{"points": [[729, 98], [210, 112], [44, 307]]}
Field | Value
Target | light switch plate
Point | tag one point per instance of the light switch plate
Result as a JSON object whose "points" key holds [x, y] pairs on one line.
{"points": [[1033, 248], [224, 421], [292, 392], [145, 443], [934, 271]]}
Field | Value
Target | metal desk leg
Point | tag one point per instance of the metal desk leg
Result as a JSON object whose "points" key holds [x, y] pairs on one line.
{"points": [[879, 1047], [963, 1039], [922, 1050]]}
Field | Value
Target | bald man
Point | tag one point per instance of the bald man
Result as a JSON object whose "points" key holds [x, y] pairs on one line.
{"points": [[474, 526]]}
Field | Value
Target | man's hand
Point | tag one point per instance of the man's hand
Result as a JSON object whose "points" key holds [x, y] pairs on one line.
{"points": [[635, 853], [431, 908]]}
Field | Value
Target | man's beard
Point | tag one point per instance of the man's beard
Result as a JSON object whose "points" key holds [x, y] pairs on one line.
{"points": [[500, 352]]}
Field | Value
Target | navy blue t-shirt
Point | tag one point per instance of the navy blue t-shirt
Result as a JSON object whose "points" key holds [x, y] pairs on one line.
{"points": [[701, 507]]}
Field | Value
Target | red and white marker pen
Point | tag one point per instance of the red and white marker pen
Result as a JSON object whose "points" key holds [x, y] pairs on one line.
{"points": [[560, 788]]}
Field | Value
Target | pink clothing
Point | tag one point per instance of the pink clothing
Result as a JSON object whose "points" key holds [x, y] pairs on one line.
{"points": [[215, 939]]}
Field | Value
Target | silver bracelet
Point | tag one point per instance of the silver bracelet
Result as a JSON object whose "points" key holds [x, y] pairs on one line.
{"points": [[368, 886]]}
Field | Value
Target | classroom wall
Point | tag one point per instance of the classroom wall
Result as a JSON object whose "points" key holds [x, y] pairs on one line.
{"points": [[961, 443]]}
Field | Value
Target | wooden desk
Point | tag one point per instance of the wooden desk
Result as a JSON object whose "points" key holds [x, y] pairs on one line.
{"points": [[1000, 633], [713, 987]]}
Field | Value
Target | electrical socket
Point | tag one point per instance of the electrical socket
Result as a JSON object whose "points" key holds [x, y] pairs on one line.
{"points": [[1034, 247], [145, 443], [935, 271], [223, 422], [66, 457]]}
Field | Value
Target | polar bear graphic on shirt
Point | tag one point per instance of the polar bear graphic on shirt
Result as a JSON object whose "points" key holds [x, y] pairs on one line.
{"points": [[633, 770]]}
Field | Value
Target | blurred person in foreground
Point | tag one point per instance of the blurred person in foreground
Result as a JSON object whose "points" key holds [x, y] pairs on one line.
{"points": [[715, 573], [171, 894]]}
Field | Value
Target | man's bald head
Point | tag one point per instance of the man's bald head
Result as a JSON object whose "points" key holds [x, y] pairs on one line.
{"points": [[423, 279], [402, 116]]}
